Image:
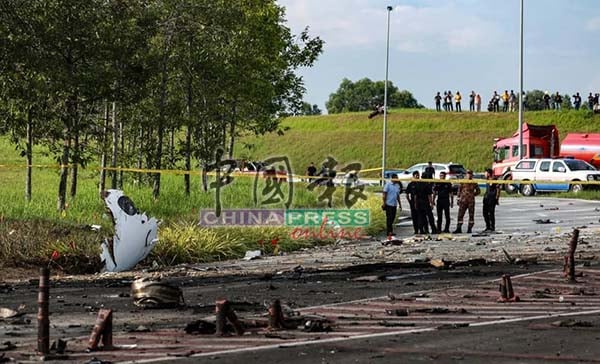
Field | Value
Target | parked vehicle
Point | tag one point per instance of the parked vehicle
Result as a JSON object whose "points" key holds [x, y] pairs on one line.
{"points": [[551, 175], [542, 141], [453, 171]]}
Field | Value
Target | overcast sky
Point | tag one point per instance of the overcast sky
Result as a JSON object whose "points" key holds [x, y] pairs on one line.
{"points": [[463, 45]]}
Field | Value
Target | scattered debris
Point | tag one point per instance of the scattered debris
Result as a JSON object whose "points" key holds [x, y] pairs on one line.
{"points": [[368, 278], [392, 242], [135, 233], [140, 328], [453, 326], [153, 293], [551, 208], [438, 263], [508, 258], [7, 345], [544, 221], [225, 312], [58, 346], [386, 323], [202, 327], [6, 313], [252, 254], [397, 312], [569, 267], [102, 330], [317, 326], [572, 323], [506, 290]]}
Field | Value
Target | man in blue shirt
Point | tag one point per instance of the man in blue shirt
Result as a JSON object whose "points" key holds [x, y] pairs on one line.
{"points": [[391, 202]]}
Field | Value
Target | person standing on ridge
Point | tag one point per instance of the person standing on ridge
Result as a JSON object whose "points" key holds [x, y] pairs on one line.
{"points": [[438, 101], [458, 99]]}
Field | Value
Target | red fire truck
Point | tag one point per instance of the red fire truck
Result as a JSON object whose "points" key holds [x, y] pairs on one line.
{"points": [[541, 141]]}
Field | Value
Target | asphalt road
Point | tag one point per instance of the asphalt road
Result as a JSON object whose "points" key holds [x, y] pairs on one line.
{"points": [[519, 215]]}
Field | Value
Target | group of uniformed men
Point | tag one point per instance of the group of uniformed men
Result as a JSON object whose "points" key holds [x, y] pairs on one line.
{"points": [[423, 196]]}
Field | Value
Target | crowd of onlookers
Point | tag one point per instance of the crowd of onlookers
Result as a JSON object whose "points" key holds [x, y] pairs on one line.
{"points": [[509, 101]]}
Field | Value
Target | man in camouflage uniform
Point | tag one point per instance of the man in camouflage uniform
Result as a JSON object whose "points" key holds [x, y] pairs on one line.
{"points": [[466, 201]]}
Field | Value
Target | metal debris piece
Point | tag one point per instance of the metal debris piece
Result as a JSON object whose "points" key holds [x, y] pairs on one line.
{"points": [[398, 312], [317, 326], [225, 312], [544, 221], [276, 319], [135, 233], [43, 312], [7, 346], [438, 263], [569, 267], [572, 323], [153, 293], [386, 323], [200, 327], [507, 293], [6, 313], [102, 330], [252, 254], [453, 326], [58, 346]]}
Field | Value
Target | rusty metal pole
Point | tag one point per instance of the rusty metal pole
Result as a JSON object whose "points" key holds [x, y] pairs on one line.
{"points": [[43, 312], [503, 290], [275, 315], [509, 288], [232, 317], [220, 311], [572, 248]]}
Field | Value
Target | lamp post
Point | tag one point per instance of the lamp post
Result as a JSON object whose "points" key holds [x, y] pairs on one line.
{"points": [[385, 95], [521, 90]]}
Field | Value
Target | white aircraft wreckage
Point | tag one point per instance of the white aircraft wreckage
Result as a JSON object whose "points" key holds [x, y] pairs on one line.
{"points": [[135, 233]]}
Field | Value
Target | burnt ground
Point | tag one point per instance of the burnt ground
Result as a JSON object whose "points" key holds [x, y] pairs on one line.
{"points": [[74, 304], [344, 272]]}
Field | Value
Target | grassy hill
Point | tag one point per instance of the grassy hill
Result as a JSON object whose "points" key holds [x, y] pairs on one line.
{"points": [[413, 136]]}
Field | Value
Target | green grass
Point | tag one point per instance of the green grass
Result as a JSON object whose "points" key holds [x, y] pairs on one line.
{"points": [[31, 231], [414, 136]]}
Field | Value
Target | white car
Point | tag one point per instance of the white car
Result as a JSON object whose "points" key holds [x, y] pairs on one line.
{"points": [[552, 175], [453, 171]]}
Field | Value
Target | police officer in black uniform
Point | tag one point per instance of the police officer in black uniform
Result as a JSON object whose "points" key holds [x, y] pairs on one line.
{"points": [[445, 200], [411, 197], [490, 200], [424, 203]]}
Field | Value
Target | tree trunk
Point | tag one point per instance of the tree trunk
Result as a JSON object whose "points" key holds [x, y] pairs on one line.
{"points": [[122, 143], [102, 184], [75, 161], [29, 154], [115, 147], [64, 171], [161, 124], [140, 156], [188, 159], [71, 105], [232, 132]]}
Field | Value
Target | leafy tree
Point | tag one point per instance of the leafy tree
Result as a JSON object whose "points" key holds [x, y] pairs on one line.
{"points": [[308, 109], [365, 95], [534, 100]]}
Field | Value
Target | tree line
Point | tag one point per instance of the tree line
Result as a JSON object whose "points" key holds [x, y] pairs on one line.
{"points": [[145, 83]]}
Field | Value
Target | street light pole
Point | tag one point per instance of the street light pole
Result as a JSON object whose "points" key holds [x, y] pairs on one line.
{"points": [[521, 90], [385, 95]]}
